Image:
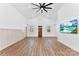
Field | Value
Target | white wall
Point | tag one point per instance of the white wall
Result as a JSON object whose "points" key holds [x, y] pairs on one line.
{"points": [[10, 17], [44, 22], [10, 36], [11, 25], [66, 13]]}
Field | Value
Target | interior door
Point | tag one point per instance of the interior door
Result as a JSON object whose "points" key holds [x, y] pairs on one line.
{"points": [[39, 31]]}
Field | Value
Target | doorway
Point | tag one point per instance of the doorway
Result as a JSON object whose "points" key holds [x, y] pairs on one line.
{"points": [[39, 31]]}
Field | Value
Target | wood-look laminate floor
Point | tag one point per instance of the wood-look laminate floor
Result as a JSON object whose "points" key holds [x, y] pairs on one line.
{"points": [[38, 47]]}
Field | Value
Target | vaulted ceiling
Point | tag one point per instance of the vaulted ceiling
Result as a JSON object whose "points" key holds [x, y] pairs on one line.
{"points": [[26, 10]]}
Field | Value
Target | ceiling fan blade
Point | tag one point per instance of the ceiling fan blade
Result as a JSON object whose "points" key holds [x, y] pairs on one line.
{"points": [[40, 4], [48, 4], [45, 10], [35, 4], [48, 8], [35, 8], [38, 10], [43, 4]]}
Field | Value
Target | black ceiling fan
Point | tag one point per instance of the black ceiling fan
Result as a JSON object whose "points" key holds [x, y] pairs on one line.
{"points": [[42, 7]]}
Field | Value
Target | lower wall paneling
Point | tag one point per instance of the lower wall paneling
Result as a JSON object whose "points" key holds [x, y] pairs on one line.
{"points": [[10, 36]]}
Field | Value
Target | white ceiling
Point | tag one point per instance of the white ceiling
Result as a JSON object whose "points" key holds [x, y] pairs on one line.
{"points": [[26, 10]]}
